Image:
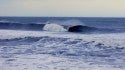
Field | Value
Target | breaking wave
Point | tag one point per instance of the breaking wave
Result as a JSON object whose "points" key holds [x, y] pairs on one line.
{"points": [[70, 26], [54, 27]]}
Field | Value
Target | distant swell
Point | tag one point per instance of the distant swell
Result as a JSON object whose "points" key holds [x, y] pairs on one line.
{"points": [[21, 26]]}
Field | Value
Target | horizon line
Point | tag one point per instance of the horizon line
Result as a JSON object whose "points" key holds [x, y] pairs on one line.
{"points": [[69, 16]]}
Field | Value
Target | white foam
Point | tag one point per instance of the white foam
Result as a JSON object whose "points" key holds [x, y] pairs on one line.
{"points": [[114, 39], [54, 27], [47, 62]]}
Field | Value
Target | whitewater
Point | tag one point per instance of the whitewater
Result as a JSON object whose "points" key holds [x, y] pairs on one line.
{"points": [[36, 50], [62, 43]]}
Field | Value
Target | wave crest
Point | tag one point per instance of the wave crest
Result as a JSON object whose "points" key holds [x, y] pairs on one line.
{"points": [[54, 27]]}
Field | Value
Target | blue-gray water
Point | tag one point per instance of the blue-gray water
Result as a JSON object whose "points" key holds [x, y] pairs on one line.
{"points": [[58, 53], [91, 21]]}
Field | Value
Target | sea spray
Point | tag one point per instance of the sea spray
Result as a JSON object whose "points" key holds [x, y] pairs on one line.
{"points": [[54, 27]]}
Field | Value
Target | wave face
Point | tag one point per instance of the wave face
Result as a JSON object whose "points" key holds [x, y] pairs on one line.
{"points": [[80, 28], [87, 29]]}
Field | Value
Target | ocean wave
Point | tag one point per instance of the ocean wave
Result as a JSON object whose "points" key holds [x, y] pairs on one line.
{"points": [[60, 45], [70, 26]]}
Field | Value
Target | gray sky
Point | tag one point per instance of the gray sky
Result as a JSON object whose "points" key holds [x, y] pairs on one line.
{"points": [[64, 8]]}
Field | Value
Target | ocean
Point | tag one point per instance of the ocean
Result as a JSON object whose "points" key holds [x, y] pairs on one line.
{"points": [[62, 43]]}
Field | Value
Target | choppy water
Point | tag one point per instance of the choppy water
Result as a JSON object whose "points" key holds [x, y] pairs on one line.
{"points": [[45, 50]]}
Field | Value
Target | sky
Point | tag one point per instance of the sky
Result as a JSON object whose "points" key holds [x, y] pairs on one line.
{"points": [[63, 8]]}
